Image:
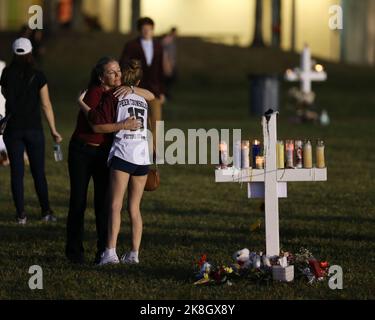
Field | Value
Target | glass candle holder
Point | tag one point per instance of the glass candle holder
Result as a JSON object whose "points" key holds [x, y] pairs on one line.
{"points": [[259, 162], [307, 155], [255, 151], [320, 161], [280, 154], [245, 154], [223, 154], [289, 148]]}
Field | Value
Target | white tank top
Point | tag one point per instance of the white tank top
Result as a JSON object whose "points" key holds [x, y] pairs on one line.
{"points": [[132, 146]]}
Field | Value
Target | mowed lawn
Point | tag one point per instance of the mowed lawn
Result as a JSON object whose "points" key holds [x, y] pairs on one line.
{"points": [[190, 215]]}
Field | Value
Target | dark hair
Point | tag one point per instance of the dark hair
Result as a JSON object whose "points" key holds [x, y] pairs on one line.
{"points": [[132, 72], [25, 65], [144, 21], [98, 71]]}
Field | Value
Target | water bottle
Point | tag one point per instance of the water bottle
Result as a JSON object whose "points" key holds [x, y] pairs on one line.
{"points": [[57, 152], [324, 118]]}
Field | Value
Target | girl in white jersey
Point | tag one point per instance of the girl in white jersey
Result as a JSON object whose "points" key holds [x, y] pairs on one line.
{"points": [[129, 161]]}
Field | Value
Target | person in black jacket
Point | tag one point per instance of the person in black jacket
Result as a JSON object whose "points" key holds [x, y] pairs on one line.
{"points": [[25, 89]]}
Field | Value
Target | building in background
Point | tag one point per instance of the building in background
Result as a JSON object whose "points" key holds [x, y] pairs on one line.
{"points": [[233, 22]]}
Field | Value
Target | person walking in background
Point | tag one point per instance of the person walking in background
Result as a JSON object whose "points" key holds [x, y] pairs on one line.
{"points": [[88, 153], [150, 52], [25, 89], [170, 60]]}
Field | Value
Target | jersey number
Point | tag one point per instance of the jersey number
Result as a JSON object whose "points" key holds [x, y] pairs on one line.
{"points": [[138, 114]]}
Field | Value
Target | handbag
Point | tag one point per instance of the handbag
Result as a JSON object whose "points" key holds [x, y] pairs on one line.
{"points": [[153, 176], [153, 180], [3, 123]]}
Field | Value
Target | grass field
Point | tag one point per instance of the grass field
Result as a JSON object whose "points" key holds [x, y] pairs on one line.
{"points": [[190, 214]]}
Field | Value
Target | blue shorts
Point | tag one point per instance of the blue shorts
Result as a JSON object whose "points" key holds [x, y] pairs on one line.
{"points": [[128, 167]]}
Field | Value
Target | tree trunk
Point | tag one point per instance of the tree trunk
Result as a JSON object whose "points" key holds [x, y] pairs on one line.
{"points": [[50, 20], [77, 21], [293, 27], [116, 15], [258, 35], [136, 14], [276, 23]]}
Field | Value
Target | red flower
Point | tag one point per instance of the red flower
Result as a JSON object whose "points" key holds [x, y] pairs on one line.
{"points": [[202, 260], [316, 269]]}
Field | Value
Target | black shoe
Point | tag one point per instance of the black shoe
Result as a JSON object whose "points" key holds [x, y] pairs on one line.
{"points": [[98, 257]]}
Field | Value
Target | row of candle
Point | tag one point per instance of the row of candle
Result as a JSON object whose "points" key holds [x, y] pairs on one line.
{"points": [[298, 154], [241, 155], [294, 154]]}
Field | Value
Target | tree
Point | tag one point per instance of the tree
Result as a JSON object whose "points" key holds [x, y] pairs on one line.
{"points": [[258, 35], [77, 19], [276, 23], [293, 28], [50, 15], [116, 16], [136, 14]]}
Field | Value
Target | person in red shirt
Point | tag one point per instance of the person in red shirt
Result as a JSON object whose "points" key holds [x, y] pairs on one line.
{"points": [[88, 153]]}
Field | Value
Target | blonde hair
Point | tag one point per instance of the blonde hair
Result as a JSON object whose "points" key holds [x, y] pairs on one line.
{"points": [[132, 72]]}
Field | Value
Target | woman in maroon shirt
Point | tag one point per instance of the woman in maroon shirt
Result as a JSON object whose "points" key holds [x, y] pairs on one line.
{"points": [[88, 153]]}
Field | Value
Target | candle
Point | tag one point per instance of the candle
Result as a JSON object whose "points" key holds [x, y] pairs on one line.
{"points": [[237, 155], [280, 154], [298, 153], [320, 162], [255, 151], [259, 160], [245, 154], [307, 155], [289, 147], [223, 153]]}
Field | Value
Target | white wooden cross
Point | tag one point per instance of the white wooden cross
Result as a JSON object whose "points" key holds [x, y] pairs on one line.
{"points": [[306, 74], [270, 182]]}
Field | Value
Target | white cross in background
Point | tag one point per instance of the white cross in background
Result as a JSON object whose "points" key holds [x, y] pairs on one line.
{"points": [[306, 74], [270, 183]]}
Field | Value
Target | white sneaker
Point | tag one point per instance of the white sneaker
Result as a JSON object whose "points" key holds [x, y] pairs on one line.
{"points": [[22, 220], [128, 258], [107, 258]]}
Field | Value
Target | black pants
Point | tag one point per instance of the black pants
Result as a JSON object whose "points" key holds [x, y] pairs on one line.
{"points": [[17, 141], [86, 162]]}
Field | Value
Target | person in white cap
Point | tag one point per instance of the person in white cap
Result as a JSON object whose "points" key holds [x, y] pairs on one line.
{"points": [[25, 90]]}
